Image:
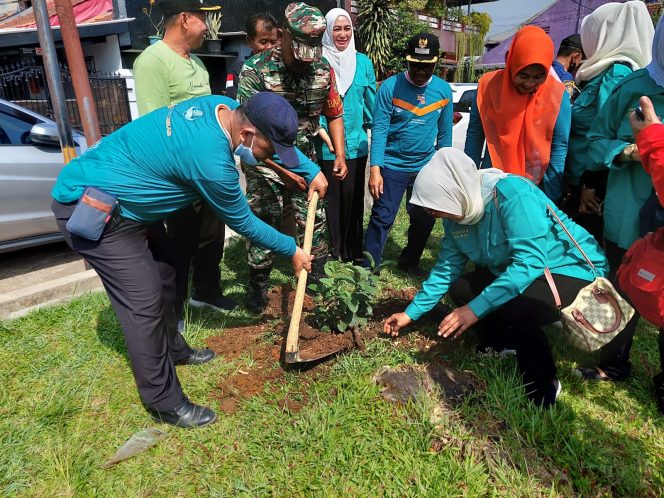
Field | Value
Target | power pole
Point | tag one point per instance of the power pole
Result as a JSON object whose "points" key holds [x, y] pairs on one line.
{"points": [[578, 16], [78, 70], [56, 91]]}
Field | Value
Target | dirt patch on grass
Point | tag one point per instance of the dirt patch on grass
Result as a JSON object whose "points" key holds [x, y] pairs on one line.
{"points": [[264, 345], [314, 343], [280, 301], [260, 344]]}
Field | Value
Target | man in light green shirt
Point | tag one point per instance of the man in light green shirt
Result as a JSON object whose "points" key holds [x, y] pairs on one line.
{"points": [[167, 73], [164, 77]]}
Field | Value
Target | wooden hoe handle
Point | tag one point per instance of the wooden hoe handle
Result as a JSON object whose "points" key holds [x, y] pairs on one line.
{"points": [[292, 340]]}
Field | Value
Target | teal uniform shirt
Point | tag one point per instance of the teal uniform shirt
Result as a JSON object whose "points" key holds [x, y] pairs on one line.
{"points": [[515, 239], [410, 123], [586, 106], [552, 182], [358, 112], [628, 186], [166, 160]]}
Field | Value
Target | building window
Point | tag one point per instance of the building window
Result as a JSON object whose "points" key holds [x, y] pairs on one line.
{"points": [[546, 29]]}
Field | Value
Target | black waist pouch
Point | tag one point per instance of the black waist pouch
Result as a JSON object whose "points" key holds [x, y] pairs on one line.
{"points": [[92, 213]]}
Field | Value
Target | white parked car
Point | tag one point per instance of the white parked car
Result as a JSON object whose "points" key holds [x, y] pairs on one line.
{"points": [[463, 96], [31, 161]]}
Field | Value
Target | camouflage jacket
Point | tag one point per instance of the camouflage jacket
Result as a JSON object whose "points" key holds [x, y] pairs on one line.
{"points": [[311, 93]]}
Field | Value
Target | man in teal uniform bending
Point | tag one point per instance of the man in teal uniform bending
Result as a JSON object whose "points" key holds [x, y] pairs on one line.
{"points": [[157, 165], [167, 73]]}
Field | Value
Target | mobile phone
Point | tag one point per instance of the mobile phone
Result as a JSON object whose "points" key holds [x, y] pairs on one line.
{"points": [[639, 114]]}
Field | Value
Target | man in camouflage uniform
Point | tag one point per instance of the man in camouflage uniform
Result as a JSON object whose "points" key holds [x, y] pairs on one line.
{"points": [[296, 70]]}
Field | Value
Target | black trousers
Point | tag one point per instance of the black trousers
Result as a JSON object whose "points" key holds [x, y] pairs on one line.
{"points": [[592, 222], [198, 238], [345, 209], [383, 213], [518, 323], [614, 358], [135, 263]]}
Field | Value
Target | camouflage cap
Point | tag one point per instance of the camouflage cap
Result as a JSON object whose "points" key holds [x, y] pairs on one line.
{"points": [[306, 24]]}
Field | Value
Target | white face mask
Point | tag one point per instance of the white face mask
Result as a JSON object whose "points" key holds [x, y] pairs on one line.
{"points": [[245, 153]]}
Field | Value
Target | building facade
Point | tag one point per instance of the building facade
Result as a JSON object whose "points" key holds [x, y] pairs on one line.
{"points": [[559, 19]]}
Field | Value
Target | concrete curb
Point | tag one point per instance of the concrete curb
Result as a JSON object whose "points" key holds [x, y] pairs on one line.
{"points": [[21, 301]]}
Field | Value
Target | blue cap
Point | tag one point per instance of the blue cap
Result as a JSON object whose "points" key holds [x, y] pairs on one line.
{"points": [[277, 120]]}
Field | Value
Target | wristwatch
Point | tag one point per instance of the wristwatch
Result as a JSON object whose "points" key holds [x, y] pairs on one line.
{"points": [[626, 154]]}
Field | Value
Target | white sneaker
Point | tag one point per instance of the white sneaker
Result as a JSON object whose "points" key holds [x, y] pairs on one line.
{"points": [[559, 387]]}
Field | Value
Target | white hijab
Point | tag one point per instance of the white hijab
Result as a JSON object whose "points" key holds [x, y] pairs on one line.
{"points": [[451, 183], [343, 62], [656, 67], [615, 32]]}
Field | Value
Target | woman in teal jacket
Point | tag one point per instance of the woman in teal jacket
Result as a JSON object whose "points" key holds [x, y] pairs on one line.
{"points": [[356, 82], [501, 223], [612, 146], [522, 113], [617, 40]]}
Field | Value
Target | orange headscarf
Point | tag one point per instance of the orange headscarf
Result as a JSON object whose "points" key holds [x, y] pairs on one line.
{"points": [[518, 127]]}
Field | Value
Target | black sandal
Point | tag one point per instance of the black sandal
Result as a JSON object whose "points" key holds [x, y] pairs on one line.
{"points": [[607, 373]]}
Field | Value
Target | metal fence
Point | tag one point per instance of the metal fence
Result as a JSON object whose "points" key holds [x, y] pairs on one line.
{"points": [[26, 85]]}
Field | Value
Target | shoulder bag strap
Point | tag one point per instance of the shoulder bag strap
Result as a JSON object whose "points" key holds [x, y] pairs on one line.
{"points": [[547, 272], [590, 263], [552, 286]]}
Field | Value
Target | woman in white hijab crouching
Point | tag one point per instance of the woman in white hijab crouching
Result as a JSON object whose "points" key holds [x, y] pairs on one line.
{"points": [[501, 223]]}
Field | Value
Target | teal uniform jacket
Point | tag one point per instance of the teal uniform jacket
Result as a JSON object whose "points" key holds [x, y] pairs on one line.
{"points": [[166, 160], [515, 239], [410, 123], [628, 186], [584, 110], [358, 112], [552, 182]]}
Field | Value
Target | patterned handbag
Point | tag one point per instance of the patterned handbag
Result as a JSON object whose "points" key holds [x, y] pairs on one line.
{"points": [[598, 314]]}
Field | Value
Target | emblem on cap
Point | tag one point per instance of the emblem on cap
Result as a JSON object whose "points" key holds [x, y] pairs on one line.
{"points": [[423, 42]]}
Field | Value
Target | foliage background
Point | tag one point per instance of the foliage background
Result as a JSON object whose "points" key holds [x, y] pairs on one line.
{"points": [[385, 27]]}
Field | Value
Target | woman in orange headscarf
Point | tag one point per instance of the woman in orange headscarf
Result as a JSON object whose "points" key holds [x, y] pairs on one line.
{"points": [[524, 115]]}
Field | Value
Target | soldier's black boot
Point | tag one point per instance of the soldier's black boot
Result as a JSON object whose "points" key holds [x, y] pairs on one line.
{"points": [[317, 272], [259, 280]]}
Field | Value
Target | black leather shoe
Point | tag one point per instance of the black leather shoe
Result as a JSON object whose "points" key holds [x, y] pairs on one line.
{"points": [[659, 390], [197, 357], [186, 414], [219, 303], [416, 271]]}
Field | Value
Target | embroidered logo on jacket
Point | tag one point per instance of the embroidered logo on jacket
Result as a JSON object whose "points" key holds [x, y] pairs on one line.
{"points": [[192, 113]]}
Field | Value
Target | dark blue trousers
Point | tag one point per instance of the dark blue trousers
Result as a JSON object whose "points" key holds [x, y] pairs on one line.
{"points": [[136, 265], [383, 213]]}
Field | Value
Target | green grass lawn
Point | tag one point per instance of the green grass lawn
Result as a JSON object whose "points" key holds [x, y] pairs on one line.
{"points": [[68, 401]]}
